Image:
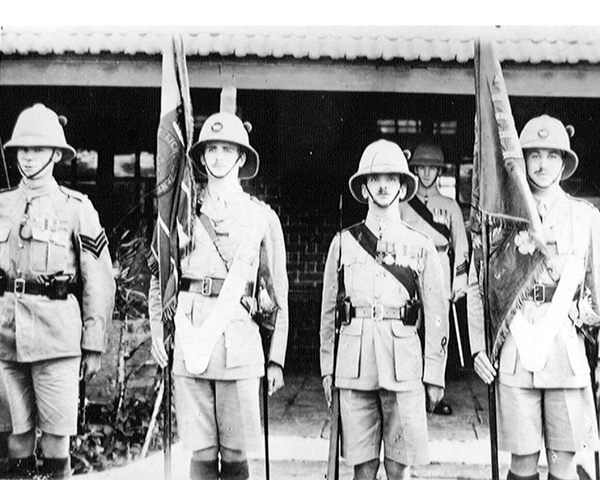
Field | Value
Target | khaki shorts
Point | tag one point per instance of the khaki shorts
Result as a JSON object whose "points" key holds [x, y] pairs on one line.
{"points": [[5, 422], [43, 394], [396, 418], [564, 418], [211, 413]]}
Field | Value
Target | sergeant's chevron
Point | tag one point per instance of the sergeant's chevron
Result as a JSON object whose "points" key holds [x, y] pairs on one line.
{"points": [[94, 245]]}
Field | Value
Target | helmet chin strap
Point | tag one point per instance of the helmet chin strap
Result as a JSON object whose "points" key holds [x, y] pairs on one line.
{"points": [[226, 173], [379, 204], [35, 174]]}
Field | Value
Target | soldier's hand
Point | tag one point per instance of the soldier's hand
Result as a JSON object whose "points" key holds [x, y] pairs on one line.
{"points": [[327, 383], [274, 377], [434, 396], [484, 368], [91, 362], [159, 352]]}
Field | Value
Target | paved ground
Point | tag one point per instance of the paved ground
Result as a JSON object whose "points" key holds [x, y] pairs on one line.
{"points": [[299, 429]]}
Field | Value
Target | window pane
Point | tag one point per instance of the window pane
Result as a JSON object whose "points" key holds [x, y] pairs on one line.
{"points": [[124, 165], [147, 168]]}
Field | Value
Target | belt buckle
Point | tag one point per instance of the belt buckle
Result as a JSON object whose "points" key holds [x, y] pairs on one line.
{"points": [[206, 286], [377, 311], [19, 286], [539, 293]]}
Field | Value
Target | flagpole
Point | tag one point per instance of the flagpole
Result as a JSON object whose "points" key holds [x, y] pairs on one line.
{"points": [[492, 419], [167, 404], [485, 247]]}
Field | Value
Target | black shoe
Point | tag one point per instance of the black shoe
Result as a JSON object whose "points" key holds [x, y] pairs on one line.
{"points": [[442, 408]]}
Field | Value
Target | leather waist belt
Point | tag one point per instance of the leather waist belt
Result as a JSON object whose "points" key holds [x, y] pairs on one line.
{"points": [[379, 312], [56, 290], [208, 286], [442, 248], [544, 292]]}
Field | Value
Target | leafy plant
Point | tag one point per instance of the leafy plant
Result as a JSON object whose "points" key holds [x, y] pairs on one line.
{"points": [[115, 432]]}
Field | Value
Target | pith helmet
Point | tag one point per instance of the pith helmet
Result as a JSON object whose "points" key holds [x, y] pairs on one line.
{"points": [[549, 132], [382, 157], [38, 126], [227, 127], [427, 155]]}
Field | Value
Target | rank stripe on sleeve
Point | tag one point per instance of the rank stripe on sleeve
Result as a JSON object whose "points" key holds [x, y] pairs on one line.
{"points": [[94, 245]]}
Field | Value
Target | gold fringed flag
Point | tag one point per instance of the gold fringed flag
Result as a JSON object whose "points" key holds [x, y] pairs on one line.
{"points": [[505, 226], [175, 187]]}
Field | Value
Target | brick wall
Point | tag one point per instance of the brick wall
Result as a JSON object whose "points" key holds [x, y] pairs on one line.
{"points": [[308, 225]]}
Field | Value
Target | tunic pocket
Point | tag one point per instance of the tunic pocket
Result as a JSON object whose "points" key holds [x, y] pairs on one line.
{"points": [[58, 249], [348, 362], [355, 270], [408, 360], [4, 245]]}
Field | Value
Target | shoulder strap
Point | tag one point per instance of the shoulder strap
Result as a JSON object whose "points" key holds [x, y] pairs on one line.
{"points": [[419, 207], [367, 240], [206, 223]]}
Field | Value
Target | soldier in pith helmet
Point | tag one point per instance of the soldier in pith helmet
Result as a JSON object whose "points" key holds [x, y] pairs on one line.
{"points": [[232, 268], [57, 294], [545, 396], [391, 277], [441, 219]]}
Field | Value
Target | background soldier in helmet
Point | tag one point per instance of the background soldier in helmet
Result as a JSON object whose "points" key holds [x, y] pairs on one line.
{"points": [[390, 272], [57, 297], [441, 219], [544, 390], [218, 358]]}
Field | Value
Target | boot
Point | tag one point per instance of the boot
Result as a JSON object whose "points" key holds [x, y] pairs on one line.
{"points": [[512, 476], [25, 467], [204, 470], [55, 468], [367, 470], [235, 470]]}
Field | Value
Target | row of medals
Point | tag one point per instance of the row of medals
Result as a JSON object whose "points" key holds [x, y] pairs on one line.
{"points": [[388, 254]]}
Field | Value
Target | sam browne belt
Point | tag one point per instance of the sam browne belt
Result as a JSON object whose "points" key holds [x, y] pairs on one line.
{"points": [[408, 313], [208, 286], [544, 292]]}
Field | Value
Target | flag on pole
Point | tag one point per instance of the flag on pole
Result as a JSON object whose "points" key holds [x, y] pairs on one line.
{"points": [[175, 187], [506, 228]]}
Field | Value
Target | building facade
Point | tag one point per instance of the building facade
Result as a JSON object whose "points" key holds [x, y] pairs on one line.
{"points": [[316, 96]]}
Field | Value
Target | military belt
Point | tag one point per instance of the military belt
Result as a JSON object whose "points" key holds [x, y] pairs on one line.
{"points": [[379, 312], [442, 248], [544, 292], [207, 286], [53, 289]]}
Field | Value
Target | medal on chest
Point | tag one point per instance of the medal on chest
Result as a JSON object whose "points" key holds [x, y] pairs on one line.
{"points": [[386, 253]]}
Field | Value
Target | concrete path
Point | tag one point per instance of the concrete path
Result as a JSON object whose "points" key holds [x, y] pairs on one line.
{"points": [[299, 429]]}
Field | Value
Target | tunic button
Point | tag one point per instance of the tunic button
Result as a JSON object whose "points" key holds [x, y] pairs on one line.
{"points": [[21, 245]]}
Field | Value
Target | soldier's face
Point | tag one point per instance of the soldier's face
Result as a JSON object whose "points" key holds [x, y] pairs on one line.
{"points": [[427, 175], [32, 159], [544, 166], [383, 189], [223, 159]]}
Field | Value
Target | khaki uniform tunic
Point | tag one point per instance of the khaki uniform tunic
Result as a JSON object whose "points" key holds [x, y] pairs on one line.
{"points": [[62, 234], [445, 211], [385, 354], [238, 354], [566, 365]]}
